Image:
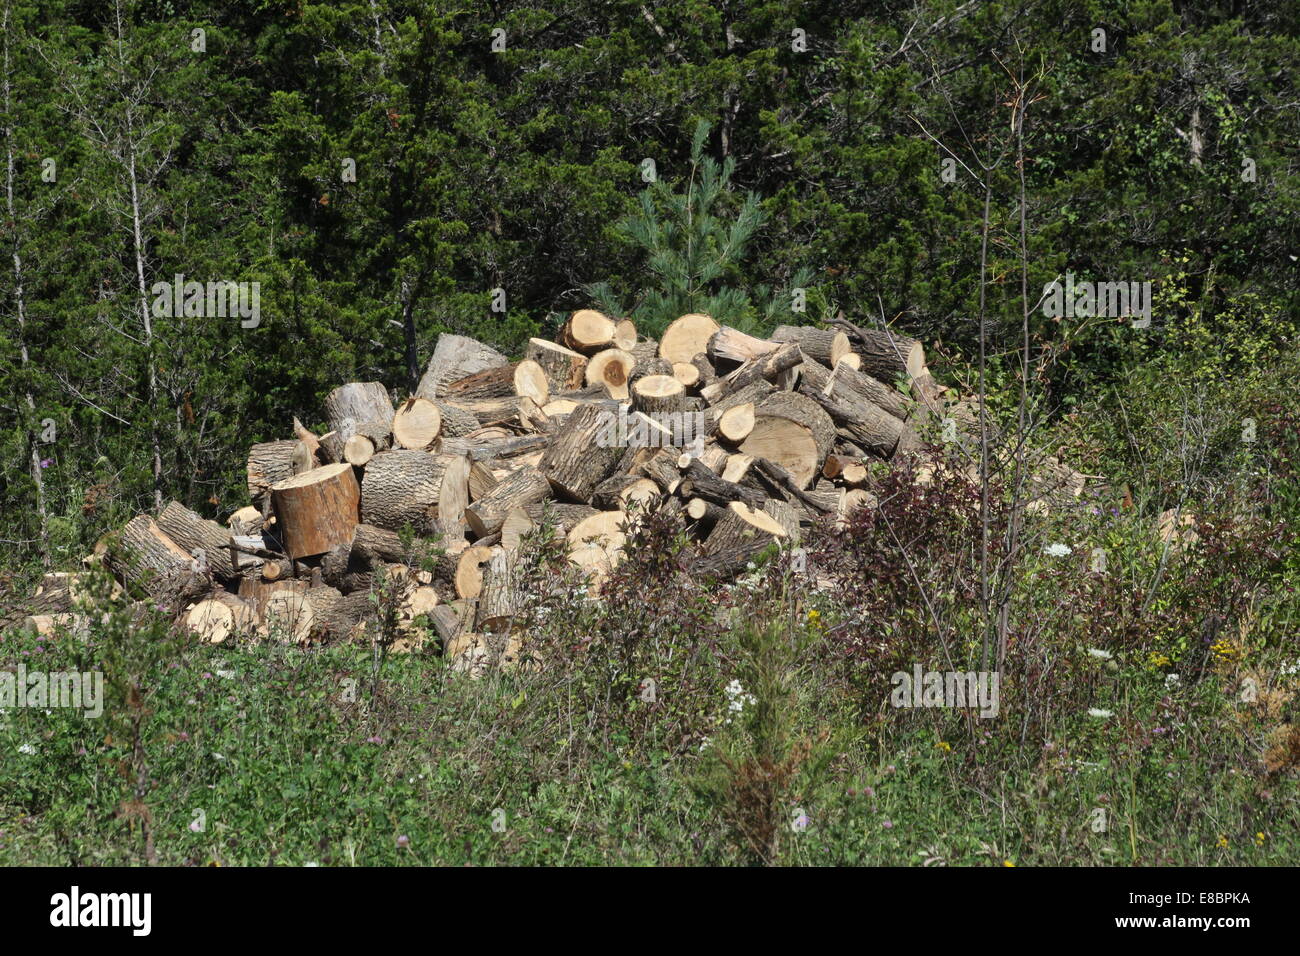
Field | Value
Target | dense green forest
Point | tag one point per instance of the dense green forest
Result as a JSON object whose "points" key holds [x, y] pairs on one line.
{"points": [[148, 140], [388, 171]]}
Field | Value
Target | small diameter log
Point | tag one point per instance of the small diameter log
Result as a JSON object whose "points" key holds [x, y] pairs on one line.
{"points": [[576, 462], [624, 335], [686, 373], [737, 422], [848, 387], [456, 422], [287, 616], [687, 337], [827, 346], [886, 356], [350, 405], [699, 482], [705, 514], [588, 331], [454, 357], [247, 520], [624, 492], [766, 367], [740, 526], [335, 615], [611, 369], [490, 411], [269, 463], [368, 439], [499, 599], [427, 491], [531, 382], [708, 374], [786, 515], [417, 423], [564, 368], [848, 471], [220, 617], [207, 543], [523, 487], [468, 580], [866, 424], [317, 510], [732, 345], [481, 480], [497, 382], [658, 394]]}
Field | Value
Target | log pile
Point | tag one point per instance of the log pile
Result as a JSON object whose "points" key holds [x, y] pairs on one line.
{"points": [[746, 441]]}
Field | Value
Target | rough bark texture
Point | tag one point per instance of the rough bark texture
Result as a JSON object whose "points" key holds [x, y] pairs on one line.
{"points": [[317, 510], [454, 357], [427, 491], [575, 463]]}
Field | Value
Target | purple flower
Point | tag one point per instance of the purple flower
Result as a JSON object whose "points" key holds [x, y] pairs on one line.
{"points": [[887, 824], [46, 462], [869, 792], [375, 739], [403, 841]]}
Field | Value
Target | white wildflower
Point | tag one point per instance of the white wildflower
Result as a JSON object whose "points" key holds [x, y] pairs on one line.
{"points": [[1099, 654], [1098, 712], [1057, 550]]}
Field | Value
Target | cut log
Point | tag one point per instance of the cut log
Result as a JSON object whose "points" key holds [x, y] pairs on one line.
{"points": [[351, 405], [269, 463], [736, 467], [491, 411], [220, 617], [523, 487], [247, 520], [499, 599], [367, 440], [559, 515], [145, 560], [687, 337], [866, 424], [455, 357], [588, 331], [705, 514], [469, 571], [317, 510], [687, 373], [429, 492], [496, 382], [611, 368], [417, 424], [576, 462], [564, 368], [596, 543], [737, 422], [623, 492], [659, 394], [335, 615], [848, 471], [456, 422], [793, 432], [207, 543], [624, 335], [827, 346], [886, 356], [530, 382], [699, 482], [848, 387], [732, 345], [287, 616], [740, 526], [303, 459], [786, 515], [768, 367]]}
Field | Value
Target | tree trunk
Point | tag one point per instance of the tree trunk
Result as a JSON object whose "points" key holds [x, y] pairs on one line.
{"points": [[196, 535], [575, 463], [427, 491], [317, 510], [523, 487], [455, 357]]}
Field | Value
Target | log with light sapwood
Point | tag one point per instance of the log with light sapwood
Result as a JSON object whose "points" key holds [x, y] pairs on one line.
{"points": [[707, 373], [287, 616], [198, 536], [827, 346], [523, 487], [644, 350], [496, 382], [596, 543], [797, 435], [491, 411], [349, 406], [560, 515], [766, 367], [317, 510], [845, 470], [786, 515], [660, 466], [447, 622], [624, 493], [699, 482], [303, 459], [417, 424], [713, 457], [146, 561], [308, 438], [269, 463], [499, 599], [455, 357], [257, 592], [373, 545], [495, 450], [576, 462], [659, 395], [456, 422], [515, 527], [740, 525], [220, 617], [247, 520], [705, 514], [274, 570], [427, 491], [588, 331], [928, 392], [624, 335], [652, 365], [848, 386], [481, 480], [755, 393], [774, 481], [564, 368], [340, 569], [728, 345], [687, 373], [866, 424], [736, 422], [736, 467], [469, 571], [367, 440], [885, 355], [611, 369], [687, 337], [531, 382], [726, 565]]}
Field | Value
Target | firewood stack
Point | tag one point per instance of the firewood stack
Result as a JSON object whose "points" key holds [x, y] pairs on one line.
{"points": [[744, 440]]}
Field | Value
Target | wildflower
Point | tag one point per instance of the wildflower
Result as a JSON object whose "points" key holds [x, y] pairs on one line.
{"points": [[1057, 550], [196, 826], [403, 841], [1008, 862], [1259, 839], [1098, 712], [1100, 654], [944, 746], [1222, 842], [887, 824], [46, 462], [1172, 680], [869, 792], [27, 749]]}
